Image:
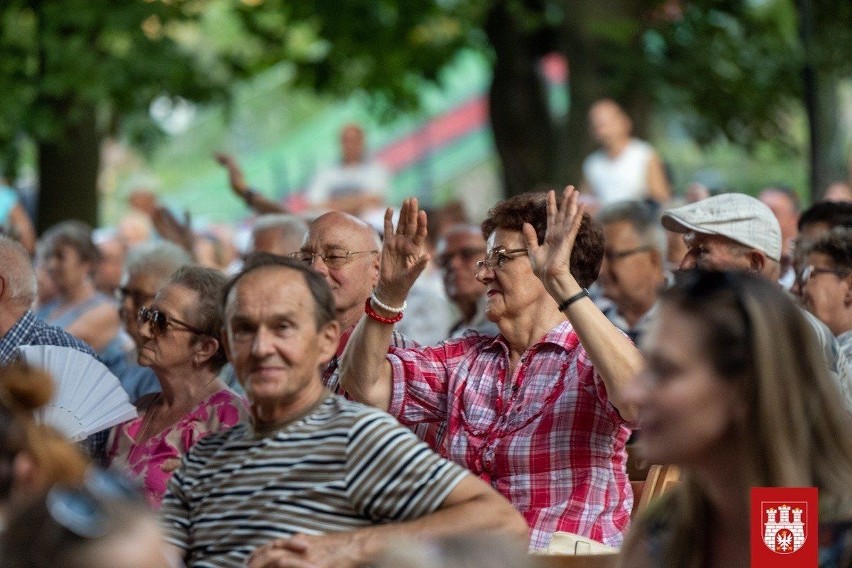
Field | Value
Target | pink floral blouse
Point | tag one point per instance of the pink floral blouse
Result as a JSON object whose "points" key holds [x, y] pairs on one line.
{"points": [[152, 462]]}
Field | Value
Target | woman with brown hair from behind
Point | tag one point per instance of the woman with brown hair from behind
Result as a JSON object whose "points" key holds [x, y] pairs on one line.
{"points": [[33, 457]]}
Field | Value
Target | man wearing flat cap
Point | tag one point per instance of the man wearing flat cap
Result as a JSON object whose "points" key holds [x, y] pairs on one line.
{"points": [[734, 231]]}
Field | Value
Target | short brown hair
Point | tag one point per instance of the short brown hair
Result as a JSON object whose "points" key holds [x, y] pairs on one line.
{"points": [[512, 213]]}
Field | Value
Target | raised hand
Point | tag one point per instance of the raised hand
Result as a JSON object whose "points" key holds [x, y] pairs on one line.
{"points": [[550, 260], [235, 175], [404, 253]]}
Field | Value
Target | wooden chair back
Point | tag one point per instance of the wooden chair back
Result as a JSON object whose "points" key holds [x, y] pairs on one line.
{"points": [[660, 479]]}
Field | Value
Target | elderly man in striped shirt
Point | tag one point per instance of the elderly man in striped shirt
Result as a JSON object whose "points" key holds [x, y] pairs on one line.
{"points": [[312, 479]]}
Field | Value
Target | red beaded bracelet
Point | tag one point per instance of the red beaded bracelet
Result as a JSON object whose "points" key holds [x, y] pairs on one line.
{"points": [[371, 313]]}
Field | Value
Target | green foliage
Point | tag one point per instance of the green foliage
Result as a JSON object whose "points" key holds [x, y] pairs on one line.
{"points": [[731, 67], [61, 57]]}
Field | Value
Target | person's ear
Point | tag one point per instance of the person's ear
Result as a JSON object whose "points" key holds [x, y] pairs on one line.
{"points": [[329, 336], [205, 349], [375, 269], [757, 261]]}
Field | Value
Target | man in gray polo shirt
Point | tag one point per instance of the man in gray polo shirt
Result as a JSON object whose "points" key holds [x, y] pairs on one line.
{"points": [[734, 231]]}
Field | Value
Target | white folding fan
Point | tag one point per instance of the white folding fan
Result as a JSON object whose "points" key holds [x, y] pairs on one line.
{"points": [[88, 397]]}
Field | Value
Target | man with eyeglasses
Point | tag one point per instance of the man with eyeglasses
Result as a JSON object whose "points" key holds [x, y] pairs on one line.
{"points": [[632, 272], [734, 231], [824, 284], [312, 479], [458, 252], [345, 250]]}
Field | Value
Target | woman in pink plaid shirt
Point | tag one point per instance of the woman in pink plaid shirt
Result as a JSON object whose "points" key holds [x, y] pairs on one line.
{"points": [[538, 410]]}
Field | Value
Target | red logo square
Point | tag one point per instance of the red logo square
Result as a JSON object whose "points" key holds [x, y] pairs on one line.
{"points": [[784, 527]]}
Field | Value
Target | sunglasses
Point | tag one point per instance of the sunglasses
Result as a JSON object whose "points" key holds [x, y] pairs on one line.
{"points": [[160, 322]]}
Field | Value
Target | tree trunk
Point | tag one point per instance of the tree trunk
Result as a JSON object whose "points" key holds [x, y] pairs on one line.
{"points": [[520, 117], [68, 174], [601, 65]]}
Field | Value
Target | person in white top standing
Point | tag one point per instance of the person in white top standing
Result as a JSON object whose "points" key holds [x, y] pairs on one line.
{"points": [[624, 167], [356, 185]]}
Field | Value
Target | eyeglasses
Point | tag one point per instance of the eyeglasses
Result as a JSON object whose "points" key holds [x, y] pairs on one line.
{"points": [[160, 321], [498, 257], [137, 296], [810, 270], [332, 259], [466, 253], [612, 256]]}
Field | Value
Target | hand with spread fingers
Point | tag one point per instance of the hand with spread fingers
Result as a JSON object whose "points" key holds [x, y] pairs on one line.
{"points": [[404, 253], [551, 260]]}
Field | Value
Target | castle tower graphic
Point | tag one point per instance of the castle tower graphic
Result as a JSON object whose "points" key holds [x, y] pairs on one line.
{"points": [[780, 533]]}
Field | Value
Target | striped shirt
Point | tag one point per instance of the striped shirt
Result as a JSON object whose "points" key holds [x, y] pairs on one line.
{"points": [[545, 436], [340, 467]]}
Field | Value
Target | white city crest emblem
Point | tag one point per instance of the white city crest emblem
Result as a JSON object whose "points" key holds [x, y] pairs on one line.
{"points": [[781, 533]]}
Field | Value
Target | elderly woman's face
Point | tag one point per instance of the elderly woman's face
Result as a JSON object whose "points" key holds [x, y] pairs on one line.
{"points": [[510, 284], [172, 346], [688, 414], [65, 267]]}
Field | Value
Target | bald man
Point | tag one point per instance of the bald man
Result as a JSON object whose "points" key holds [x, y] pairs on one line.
{"points": [[345, 250]]}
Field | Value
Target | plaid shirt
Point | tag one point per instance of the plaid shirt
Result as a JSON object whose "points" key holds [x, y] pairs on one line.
{"points": [[546, 437], [29, 330], [429, 433]]}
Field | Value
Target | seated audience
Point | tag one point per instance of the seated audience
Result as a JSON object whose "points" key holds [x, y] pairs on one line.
{"points": [[99, 523], [19, 326], [784, 204], [736, 393], [147, 269], [111, 254], [537, 411], [633, 268], [311, 478], [824, 283], [734, 231], [461, 247], [351, 274], [821, 217], [280, 234], [70, 259], [181, 345]]}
